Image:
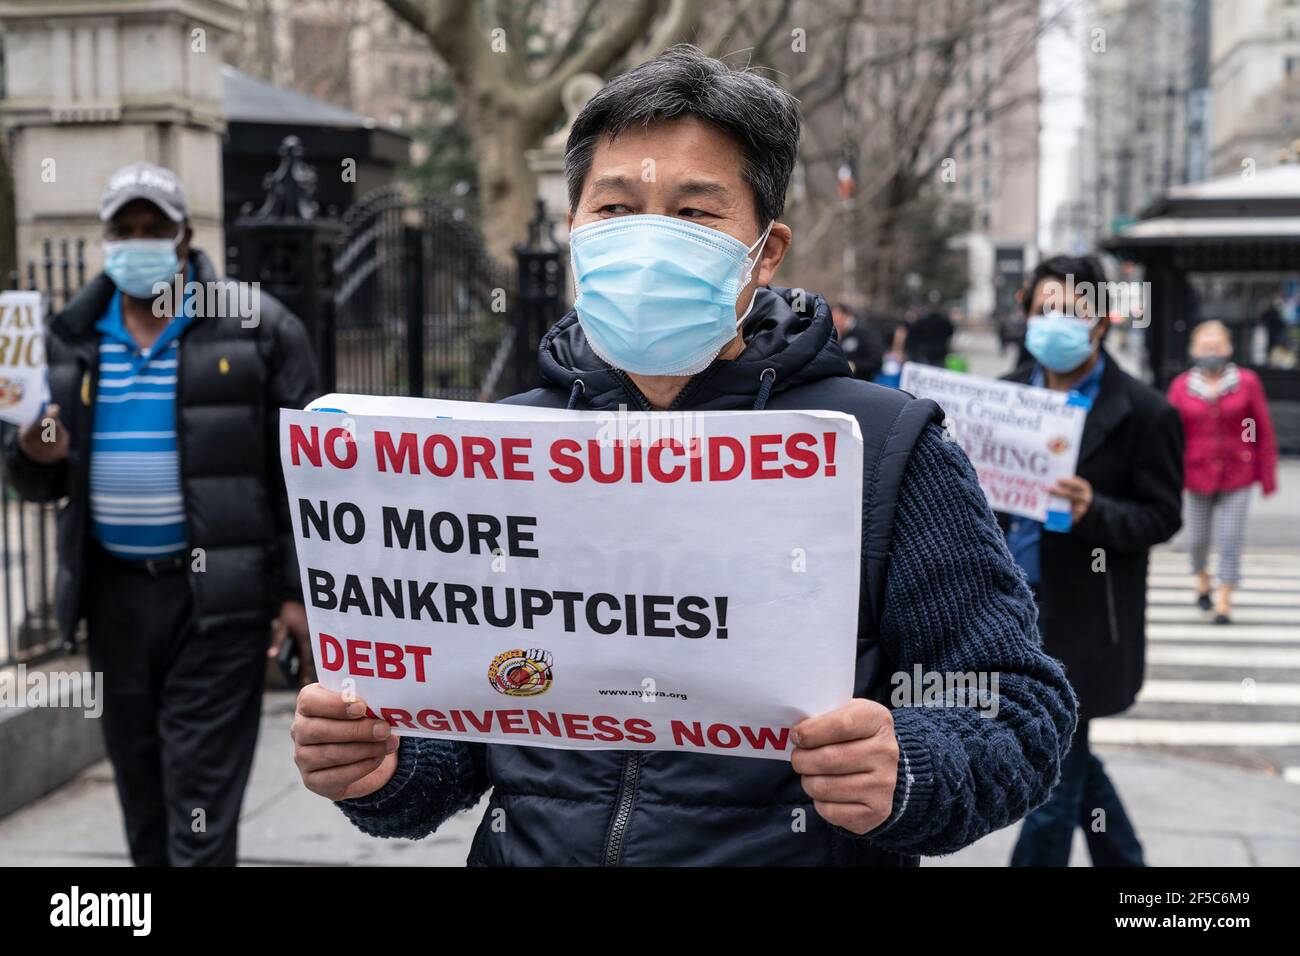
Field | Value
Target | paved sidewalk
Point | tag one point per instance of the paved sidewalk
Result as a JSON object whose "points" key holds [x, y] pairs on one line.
{"points": [[1188, 812], [283, 823]]}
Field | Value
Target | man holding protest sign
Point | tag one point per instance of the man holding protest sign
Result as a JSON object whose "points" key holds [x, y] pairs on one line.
{"points": [[1090, 581], [675, 311], [174, 542]]}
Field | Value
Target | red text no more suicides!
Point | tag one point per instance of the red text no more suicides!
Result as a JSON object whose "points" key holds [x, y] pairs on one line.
{"points": [[664, 461]]}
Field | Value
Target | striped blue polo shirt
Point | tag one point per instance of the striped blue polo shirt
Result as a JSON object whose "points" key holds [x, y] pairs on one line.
{"points": [[136, 510]]}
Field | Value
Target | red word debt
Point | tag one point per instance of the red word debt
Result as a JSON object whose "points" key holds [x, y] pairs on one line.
{"points": [[377, 659]]}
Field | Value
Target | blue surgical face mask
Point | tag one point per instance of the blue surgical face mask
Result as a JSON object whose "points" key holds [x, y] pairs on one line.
{"points": [[1060, 342], [657, 295], [137, 265]]}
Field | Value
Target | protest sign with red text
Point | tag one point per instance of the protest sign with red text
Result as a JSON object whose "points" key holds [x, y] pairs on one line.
{"points": [[583, 580]]}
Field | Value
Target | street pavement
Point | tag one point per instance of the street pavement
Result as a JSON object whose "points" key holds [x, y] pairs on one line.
{"points": [[1207, 762]]}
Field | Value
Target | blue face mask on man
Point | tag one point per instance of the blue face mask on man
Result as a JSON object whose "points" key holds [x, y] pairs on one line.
{"points": [[137, 265], [657, 295], [1060, 342]]}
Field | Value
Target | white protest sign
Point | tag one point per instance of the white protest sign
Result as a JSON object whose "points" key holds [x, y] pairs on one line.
{"points": [[582, 580], [23, 387], [1020, 439]]}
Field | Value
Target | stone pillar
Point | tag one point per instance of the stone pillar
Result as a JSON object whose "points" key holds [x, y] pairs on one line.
{"points": [[91, 86]]}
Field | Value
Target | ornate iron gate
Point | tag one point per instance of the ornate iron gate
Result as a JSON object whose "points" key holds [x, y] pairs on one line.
{"points": [[420, 308]]}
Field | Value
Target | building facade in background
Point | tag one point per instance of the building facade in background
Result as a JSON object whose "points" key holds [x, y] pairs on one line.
{"points": [[1178, 92], [1144, 125], [88, 90], [354, 54], [999, 160], [1255, 83]]}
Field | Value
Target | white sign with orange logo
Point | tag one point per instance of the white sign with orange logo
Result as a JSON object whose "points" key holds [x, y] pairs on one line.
{"points": [[23, 386], [582, 580], [1020, 439]]}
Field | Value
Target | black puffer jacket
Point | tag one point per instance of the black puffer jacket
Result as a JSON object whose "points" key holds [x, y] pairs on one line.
{"points": [[231, 383]]}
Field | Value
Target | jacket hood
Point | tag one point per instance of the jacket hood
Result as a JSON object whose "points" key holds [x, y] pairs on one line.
{"points": [[788, 331]]}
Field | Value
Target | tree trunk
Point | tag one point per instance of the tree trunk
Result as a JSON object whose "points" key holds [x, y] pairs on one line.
{"points": [[507, 186]]}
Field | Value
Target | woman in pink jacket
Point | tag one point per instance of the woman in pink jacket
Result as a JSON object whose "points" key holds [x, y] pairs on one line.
{"points": [[1230, 446]]}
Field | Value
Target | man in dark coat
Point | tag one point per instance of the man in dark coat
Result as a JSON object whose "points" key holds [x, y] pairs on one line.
{"points": [[676, 310], [1090, 583], [860, 341], [930, 336], [175, 543]]}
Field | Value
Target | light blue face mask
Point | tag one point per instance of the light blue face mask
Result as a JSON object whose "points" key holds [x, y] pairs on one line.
{"points": [[137, 265], [1060, 342], [657, 295]]}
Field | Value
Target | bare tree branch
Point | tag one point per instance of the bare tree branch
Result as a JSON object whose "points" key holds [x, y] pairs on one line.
{"points": [[678, 25], [594, 55], [580, 28]]}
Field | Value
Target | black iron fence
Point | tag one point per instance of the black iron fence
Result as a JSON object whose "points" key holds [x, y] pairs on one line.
{"points": [[27, 534], [420, 308], [401, 297]]}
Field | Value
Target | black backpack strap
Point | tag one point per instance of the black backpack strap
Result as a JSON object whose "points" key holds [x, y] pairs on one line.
{"points": [[880, 497]]}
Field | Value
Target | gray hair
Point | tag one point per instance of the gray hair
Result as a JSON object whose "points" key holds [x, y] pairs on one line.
{"points": [[683, 81]]}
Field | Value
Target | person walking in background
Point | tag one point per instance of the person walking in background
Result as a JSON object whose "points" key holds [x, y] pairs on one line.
{"points": [[1275, 350], [1125, 499], [860, 342], [929, 336], [893, 333], [175, 543], [1230, 446]]}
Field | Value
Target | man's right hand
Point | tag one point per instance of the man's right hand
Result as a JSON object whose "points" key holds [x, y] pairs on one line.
{"points": [[45, 440], [340, 752]]}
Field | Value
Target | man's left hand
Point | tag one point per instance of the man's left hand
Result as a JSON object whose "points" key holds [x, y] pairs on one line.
{"points": [[291, 624], [848, 758], [1079, 493]]}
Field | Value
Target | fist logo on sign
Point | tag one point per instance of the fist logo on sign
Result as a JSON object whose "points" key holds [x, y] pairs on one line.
{"points": [[521, 673]]}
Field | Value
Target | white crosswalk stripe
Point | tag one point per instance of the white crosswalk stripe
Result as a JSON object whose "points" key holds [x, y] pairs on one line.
{"points": [[1223, 634], [1229, 686], [1246, 691], [1207, 733]]}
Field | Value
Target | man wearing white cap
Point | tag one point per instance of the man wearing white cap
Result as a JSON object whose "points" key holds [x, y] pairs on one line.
{"points": [[175, 544]]}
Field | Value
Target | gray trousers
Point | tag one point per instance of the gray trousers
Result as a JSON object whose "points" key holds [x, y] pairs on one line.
{"points": [[1218, 519]]}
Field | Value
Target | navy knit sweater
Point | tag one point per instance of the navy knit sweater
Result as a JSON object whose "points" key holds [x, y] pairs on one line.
{"points": [[955, 602]]}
